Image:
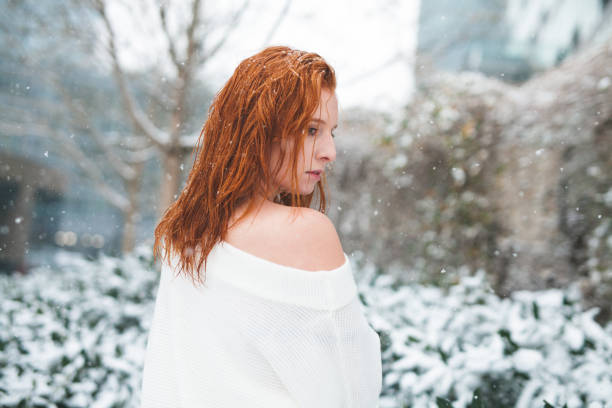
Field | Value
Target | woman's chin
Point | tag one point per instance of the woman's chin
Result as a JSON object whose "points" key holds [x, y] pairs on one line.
{"points": [[308, 191]]}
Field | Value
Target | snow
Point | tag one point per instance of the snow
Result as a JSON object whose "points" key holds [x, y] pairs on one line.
{"points": [[77, 334], [603, 84], [61, 331], [526, 360], [468, 337]]}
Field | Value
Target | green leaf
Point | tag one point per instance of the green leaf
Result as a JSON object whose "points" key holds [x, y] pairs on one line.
{"points": [[444, 356], [443, 403], [536, 310], [477, 400], [509, 346]]}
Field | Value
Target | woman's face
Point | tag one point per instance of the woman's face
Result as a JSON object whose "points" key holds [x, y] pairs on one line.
{"points": [[318, 150]]}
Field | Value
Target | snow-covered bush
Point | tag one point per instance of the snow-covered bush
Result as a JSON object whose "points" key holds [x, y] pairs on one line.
{"points": [[75, 336], [518, 351]]}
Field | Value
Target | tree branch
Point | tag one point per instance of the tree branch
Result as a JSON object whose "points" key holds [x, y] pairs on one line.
{"points": [[231, 27], [70, 148], [91, 171], [278, 22], [189, 142], [81, 119], [171, 42], [138, 117], [141, 156], [191, 41]]}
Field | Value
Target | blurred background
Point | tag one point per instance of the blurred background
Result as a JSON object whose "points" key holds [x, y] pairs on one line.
{"points": [[475, 136]]}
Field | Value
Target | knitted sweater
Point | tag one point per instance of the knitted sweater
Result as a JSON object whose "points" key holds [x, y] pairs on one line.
{"points": [[260, 334]]}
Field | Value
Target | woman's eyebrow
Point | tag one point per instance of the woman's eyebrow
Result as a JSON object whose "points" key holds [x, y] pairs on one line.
{"points": [[317, 120], [321, 121]]}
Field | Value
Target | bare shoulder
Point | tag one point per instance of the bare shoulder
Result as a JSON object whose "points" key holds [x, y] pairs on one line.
{"points": [[312, 239], [314, 226], [301, 238]]}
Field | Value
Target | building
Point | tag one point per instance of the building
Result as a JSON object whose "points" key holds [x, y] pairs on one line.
{"points": [[30, 208], [510, 39]]}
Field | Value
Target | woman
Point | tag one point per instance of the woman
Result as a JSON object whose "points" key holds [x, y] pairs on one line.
{"points": [[256, 304]]}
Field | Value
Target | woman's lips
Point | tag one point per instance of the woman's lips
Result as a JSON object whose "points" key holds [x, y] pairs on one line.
{"points": [[315, 174]]}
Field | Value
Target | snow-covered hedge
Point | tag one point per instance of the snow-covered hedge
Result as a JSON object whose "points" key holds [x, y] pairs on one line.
{"points": [[74, 336], [518, 351]]}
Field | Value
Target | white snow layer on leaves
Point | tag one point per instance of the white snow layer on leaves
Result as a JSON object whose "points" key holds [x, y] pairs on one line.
{"points": [[77, 334], [524, 349]]}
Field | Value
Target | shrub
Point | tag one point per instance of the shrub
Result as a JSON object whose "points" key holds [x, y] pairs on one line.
{"points": [[75, 336]]}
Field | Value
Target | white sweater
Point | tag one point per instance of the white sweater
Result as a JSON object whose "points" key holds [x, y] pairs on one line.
{"points": [[260, 334]]}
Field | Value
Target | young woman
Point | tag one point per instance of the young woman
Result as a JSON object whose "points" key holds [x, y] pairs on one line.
{"points": [[257, 305]]}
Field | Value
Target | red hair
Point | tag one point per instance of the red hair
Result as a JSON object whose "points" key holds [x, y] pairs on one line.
{"points": [[271, 97]]}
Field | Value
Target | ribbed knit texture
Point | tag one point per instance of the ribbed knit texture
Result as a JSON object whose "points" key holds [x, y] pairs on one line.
{"points": [[260, 334]]}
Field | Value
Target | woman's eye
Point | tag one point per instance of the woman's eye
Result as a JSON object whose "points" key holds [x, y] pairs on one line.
{"points": [[312, 131]]}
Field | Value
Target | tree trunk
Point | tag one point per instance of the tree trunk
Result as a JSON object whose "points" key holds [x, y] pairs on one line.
{"points": [[170, 181]]}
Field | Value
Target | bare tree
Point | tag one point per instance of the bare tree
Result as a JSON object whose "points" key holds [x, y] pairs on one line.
{"points": [[196, 52], [160, 114]]}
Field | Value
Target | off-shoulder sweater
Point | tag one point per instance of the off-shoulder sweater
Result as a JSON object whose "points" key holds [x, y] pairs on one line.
{"points": [[260, 334]]}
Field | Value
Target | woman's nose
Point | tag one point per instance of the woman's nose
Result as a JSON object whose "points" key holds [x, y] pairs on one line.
{"points": [[327, 149]]}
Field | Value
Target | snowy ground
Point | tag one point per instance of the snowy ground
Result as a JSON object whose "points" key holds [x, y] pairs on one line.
{"points": [[75, 337]]}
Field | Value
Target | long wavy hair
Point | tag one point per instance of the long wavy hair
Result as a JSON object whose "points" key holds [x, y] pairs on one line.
{"points": [[271, 97]]}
